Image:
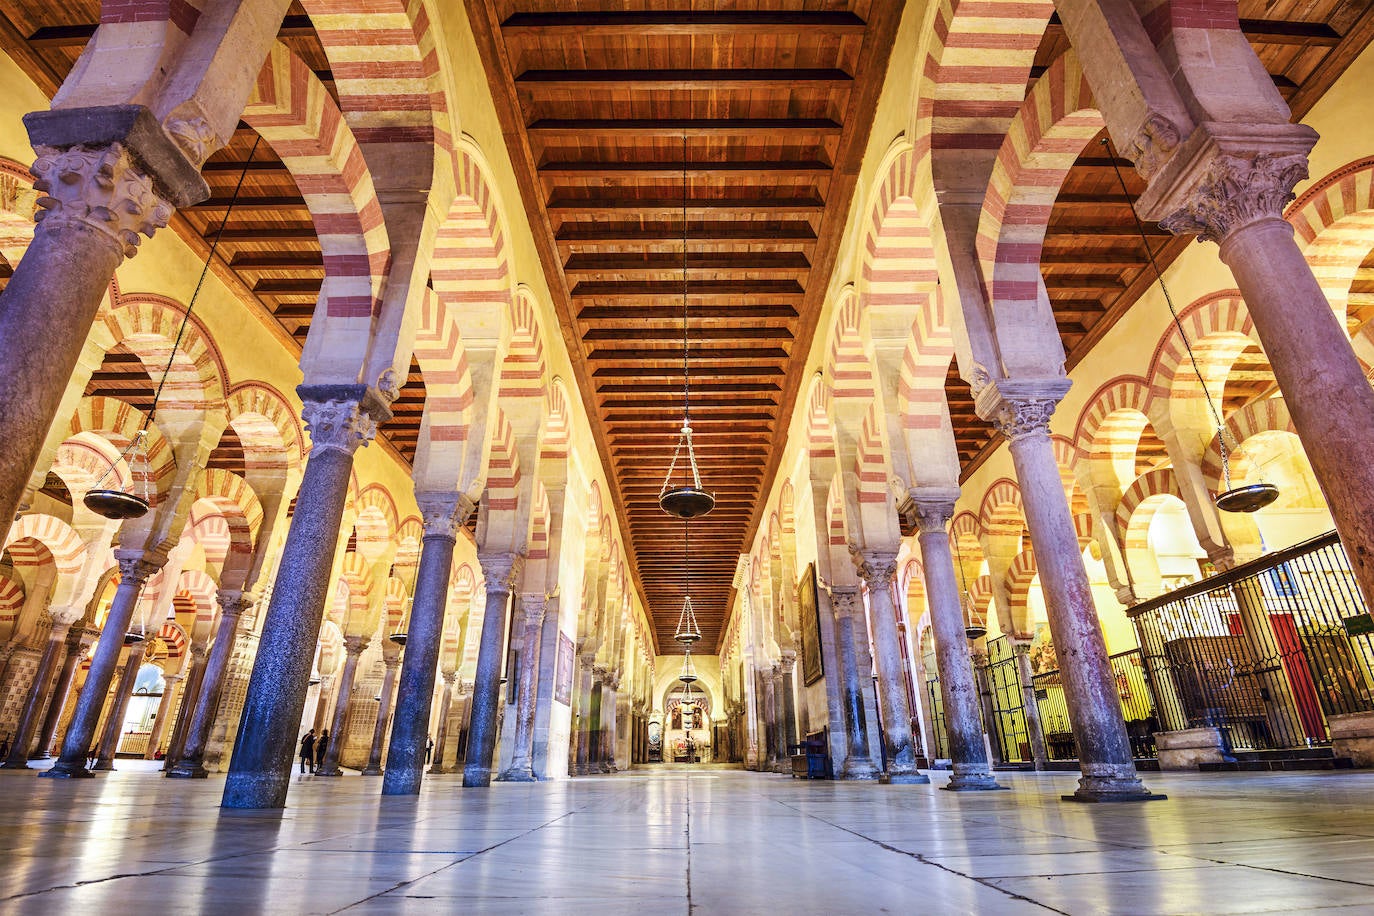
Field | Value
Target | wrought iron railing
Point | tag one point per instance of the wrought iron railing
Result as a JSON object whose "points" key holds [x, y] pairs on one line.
{"points": [[1266, 651], [1008, 728], [1137, 707]]}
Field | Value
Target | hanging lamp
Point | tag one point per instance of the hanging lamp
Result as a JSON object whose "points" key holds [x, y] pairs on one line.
{"points": [[688, 500], [687, 631], [975, 624], [1249, 497], [689, 673], [119, 504], [403, 627]]}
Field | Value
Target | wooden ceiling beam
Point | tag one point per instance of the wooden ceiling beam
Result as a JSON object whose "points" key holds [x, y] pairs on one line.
{"points": [[632, 24], [593, 206], [281, 260], [745, 232], [725, 171], [264, 234], [695, 310], [707, 332], [723, 79], [611, 289], [577, 128], [674, 356], [245, 202], [699, 262]]}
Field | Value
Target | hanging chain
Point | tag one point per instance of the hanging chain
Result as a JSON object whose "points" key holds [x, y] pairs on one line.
{"points": [[1173, 312], [686, 386], [140, 438]]}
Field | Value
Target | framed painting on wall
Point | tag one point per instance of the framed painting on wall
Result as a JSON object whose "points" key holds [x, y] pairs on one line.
{"points": [[812, 668], [563, 675]]}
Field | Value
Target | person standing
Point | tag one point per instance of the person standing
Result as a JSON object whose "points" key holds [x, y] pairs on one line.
{"points": [[429, 748], [308, 752], [321, 745]]}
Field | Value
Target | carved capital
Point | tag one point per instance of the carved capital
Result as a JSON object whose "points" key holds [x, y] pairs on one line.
{"points": [[934, 507], [444, 514], [879, 570], [101, 188], [534, 605], [354, 645], [499, 571], [340, 425], [845, 601], [233, 602], [1024, 417], [193, 133], [1236, 191], [137, 568], [449, 678]]}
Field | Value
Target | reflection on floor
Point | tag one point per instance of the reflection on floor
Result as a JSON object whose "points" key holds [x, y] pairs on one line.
{"points": [[702, 842]]}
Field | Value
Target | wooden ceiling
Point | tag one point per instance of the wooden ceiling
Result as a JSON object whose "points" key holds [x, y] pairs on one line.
{"points": [[770, 111], [1094, 263]]}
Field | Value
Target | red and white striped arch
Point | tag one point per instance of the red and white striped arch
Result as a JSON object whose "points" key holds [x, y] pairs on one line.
{"points": [[820, 431], [555, 435], [1020, 575], [851, 368], [11, 601], [1044, 139], [294, 112], [1268, 415], [1001, 513], [356, 574], [898, 256], [1139, 503], [523, 368], [148, 325], [1109, 428], [266, 425], [1334, 223], [925, 365], [117, 422], [37, 539], [1218, 328], [503, 470], [377, 521]]}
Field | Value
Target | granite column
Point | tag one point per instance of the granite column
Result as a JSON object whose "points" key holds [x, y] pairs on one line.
{"points": [[191, 754], [499, 571]]}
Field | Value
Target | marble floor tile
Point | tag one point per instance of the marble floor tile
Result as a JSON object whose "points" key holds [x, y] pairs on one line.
{"points": [[692, 843]]}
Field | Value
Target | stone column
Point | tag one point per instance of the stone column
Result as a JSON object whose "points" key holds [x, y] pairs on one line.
{"points": [[106, 177], [322, 702], [392, 664], [582, 752], [18, 758], [353, 649], [594, 722], [191, 755], [164, 712], [441, 740], [340, 418], [1021, 411], [521, 769], [789, 702], [980, 673], [119, 705], [190, 696], [610, 711], [858, 760], [879, 571], [78, 641], [443, 515], [460, 750], [1232, 190], [770, 676], [134, 571], [499, 571], [1030, 706], [958, 688]]}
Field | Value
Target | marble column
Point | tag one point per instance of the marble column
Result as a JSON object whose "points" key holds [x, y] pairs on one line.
{"points": [[444, 515], [772, 704], [1021, 411], [340, 419], [18, 758], [790, 734], [134, 570], [533, 607], [1246, 178], [1030, 706], [958, 687], [858, 759], [322, 702], [460, 745], [353, 649], [980, 673], [171, 685], [583, 722], [594, 723], [499, 571], [879, 570], [441, 740], [391, 664], [79, 639], [609, 711], [190, 696], [191, 754], [119, 706], [106, 176]]}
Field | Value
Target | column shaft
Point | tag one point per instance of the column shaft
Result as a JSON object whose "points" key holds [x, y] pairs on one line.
{"points": [[190, 696], [858, 761], [210, 687], [119, 706], [405, 758], [18, 758], [164, 712], [266, 743], [81, 731], [880, 571], [374, 754], [353, 648], [486, 691], [521, 768], [60, 691]]}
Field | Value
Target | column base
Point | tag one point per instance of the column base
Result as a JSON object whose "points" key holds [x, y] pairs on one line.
{"points": [[518, 774], [476, 777], [1114, 787], [907, 777], [1352, 735], [858, 768], [334, 772], [185, 769], [104, 766], [8, 767], [975, 781], [370, 770], [62, 770], [438, 771]]}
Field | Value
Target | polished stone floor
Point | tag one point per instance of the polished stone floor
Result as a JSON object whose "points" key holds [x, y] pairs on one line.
{"points": [[701, 842]]}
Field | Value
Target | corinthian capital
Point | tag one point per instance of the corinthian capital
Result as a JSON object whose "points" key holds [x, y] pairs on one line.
{"points": [[879, 569], [338, 424], [499, 571], [137, 567], [934, 507], [233, 602], [354, 645], [1236, 191], [444, 514], [844, 601], [533, 605], [101, 188], [1021, 408]]}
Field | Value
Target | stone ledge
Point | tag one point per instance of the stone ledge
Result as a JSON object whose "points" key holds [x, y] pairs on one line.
{"points": [[1186, 748], [1352, 735]]}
